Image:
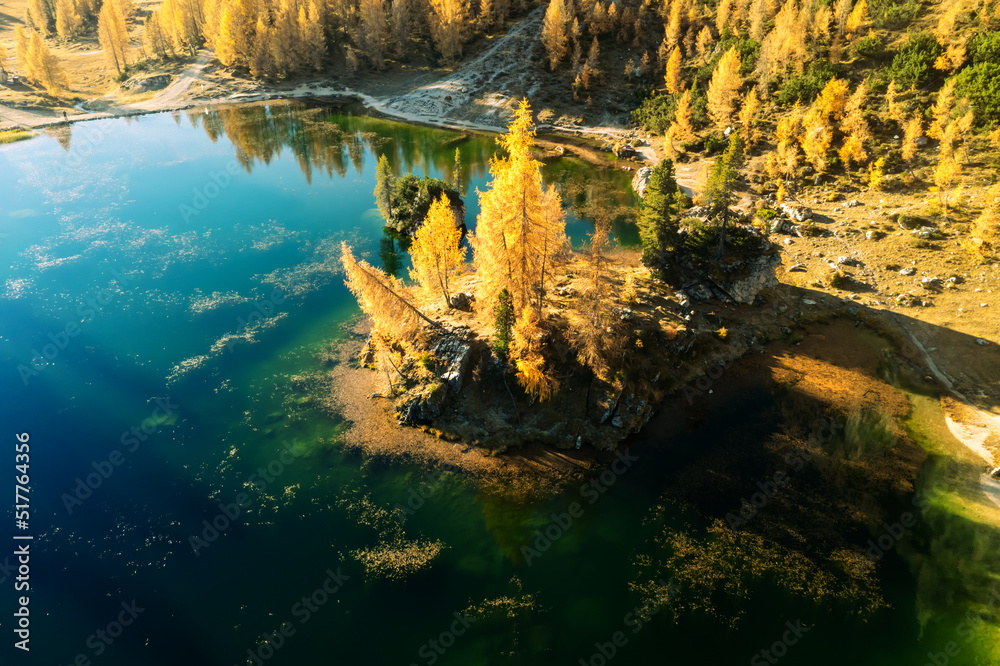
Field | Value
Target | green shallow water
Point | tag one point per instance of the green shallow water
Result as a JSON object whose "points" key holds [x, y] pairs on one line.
{"points": [[160, 238]]}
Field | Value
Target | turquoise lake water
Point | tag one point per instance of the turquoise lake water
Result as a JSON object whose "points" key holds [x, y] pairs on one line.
{"points": [[166, 278]]}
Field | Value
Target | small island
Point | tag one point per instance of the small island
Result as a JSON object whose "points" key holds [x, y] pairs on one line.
{"points": [[533, 341]]}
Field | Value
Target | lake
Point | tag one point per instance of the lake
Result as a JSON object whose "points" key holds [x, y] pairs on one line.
{"points": [[170, 276]]}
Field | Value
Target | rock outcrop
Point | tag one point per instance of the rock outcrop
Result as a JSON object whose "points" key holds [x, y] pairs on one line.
{"points": [[641, 181]]}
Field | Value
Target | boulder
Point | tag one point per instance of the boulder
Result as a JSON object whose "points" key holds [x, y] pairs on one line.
{"points": [[874, 235], [848, 261], [641, 181], [146, 83], [462, 301], [452, 354], [853, 203], [797, 268], [797, 213], [761, 276], [908, 271]]}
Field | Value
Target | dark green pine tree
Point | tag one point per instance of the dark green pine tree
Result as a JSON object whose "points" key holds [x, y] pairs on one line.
{"points": [[658, 217], [723, 179]]}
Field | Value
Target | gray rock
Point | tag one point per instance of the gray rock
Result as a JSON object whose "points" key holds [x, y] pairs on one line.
{"points": [[641, 181], [778, 226], [796, 213], [682, 298], [848, 261], [931, 282], [874, 235], [143, 84], [853, 203], [908, 271], [981, 341], [761, 276], [921, 141], [808, 301], [452, 354], [797, 268]]}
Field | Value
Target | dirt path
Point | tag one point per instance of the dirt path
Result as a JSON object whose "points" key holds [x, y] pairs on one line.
{"points": [[169, 96], [972, 435]]}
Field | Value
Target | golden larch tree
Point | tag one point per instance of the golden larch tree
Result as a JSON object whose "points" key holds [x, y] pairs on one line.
{"points": [[520, 230], [857, 18], [914, 130], [68, 19], [449, 22], [673, 76], [724, 88], [112, 33], [749, 119], [436, 251], [373, 30], [682, 129], [44, 67], [555, 32], [154, 38], [383, 298]]}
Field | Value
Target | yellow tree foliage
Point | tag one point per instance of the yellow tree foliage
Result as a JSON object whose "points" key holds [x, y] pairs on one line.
{"points": [[985, 231], [155, 38], [894, 110], [673, 76], [857, 18], [521, 226], [43, 67], [749, 111], [784, 159], [184, 21], [724, 88], [311, 38], [373, 31], [39, 16], [383, 298], [705, 40], [723, 14], [436, 251], [112, 33], [675, 23], [942, 109], [525, 350], [234, 43], [914, 130], [262, 65], [817, 136], [760, 14], [833, 99], [682, 130], [68, 19], [555, 32], [449, 21], [820, 28]]}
